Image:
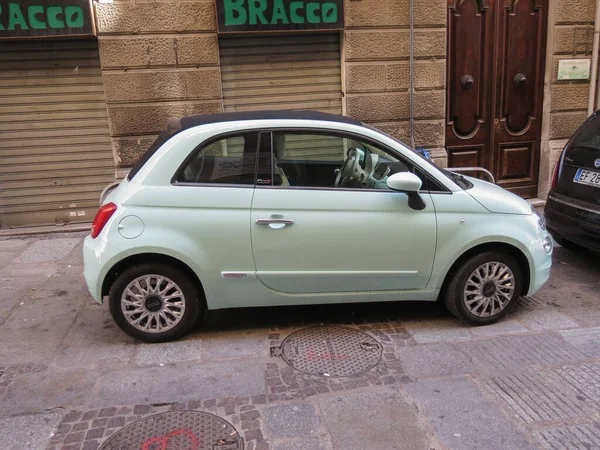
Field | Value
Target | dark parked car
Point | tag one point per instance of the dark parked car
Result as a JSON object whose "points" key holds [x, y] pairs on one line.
{"points": [[573, 207]]}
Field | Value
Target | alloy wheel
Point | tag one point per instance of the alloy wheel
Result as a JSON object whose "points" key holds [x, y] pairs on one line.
{"points": [[489, 289], [153, 303]]}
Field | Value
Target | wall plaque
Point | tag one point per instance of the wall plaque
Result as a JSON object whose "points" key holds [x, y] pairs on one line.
{"points": [[573, 69]]}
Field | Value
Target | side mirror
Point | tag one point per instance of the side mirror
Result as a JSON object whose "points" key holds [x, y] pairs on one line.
{"points": [[404, 182], [410, 184]]}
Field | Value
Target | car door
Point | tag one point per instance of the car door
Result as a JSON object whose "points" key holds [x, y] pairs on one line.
{"points": [[310, 236]]}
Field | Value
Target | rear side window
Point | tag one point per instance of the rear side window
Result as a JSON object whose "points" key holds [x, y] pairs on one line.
{"points": [[173, 127], [228, 160], [588, 135]]}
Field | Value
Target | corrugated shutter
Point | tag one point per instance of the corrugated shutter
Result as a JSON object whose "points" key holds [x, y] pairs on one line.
{"points": [[55, 150], [282, 72]]}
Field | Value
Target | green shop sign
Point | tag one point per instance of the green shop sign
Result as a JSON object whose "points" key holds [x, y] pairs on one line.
{"points": [[45, 18], [279, 15]]}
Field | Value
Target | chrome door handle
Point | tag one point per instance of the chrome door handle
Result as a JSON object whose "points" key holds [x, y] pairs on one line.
{"points": [[274, 221]]}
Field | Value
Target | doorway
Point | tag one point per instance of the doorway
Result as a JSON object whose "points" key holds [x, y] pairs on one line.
{"points": [[495, 74]]}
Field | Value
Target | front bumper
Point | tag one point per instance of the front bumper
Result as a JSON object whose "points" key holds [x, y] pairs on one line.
{"points": [[573, 220], [98, 258], [541, 274]]}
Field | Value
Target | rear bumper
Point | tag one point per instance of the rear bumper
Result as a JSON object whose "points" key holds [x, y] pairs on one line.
{"points": [[573, 220], [98, 258]]}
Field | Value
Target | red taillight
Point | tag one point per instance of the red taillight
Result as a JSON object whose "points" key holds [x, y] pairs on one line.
{"points": [[102, 217], [555, 174]]}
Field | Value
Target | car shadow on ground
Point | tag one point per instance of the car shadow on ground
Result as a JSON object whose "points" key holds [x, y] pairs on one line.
{"points": [[299, 316]]}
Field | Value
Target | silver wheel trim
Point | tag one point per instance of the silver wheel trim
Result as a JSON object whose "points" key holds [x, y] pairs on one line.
{"points": [[134, 308], [476, 302]]}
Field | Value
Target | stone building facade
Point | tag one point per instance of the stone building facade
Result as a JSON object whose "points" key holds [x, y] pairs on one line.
{"points": [[167, 58]]}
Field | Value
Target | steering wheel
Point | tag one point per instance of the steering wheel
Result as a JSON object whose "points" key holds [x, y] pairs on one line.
{"points": [[350, 169]]}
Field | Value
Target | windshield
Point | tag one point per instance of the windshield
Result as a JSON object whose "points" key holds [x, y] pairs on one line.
{"points": [[458, 179]]}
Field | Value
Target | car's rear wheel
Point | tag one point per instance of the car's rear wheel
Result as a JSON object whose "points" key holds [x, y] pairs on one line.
{"points": [[154, 302], [484, 288], [569, 245]]}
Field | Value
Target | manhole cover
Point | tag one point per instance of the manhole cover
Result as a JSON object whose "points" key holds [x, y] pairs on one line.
{"points": [[332, 351], [176, 430]]}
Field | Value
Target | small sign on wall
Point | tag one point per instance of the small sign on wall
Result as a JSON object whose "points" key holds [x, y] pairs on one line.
{"points": [[574, 69]]}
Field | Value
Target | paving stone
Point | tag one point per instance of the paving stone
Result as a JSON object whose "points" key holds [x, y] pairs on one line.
{"points": [[47, 250], [220, 345], [585, 339], [141, 409], [211, 379], [38, 391], [290, 421], [434, 360], [316, 443], [539, 395], [94, 433], [107, 412], [520, 351], [189, 349], [27, 432], [578, 437], [439, 330], [544, 319], [585, 378], [461, 416], [90, 445], [377, 419], [505, 326], [89, 344]]}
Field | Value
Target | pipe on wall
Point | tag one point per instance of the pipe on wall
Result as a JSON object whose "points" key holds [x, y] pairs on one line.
{"points": [[411, 70], [594, 98]]}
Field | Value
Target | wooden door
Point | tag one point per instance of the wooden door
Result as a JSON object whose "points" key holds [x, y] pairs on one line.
{"points": [[496, 51]]}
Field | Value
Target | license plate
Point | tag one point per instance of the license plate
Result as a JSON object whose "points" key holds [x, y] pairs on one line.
{"points": [[588, 177]]}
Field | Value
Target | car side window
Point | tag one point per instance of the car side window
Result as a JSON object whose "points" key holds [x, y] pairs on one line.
{"points": [[326, 160], [227, 160]]}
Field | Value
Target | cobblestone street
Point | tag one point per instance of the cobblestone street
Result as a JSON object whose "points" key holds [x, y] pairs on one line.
{"points": [[345, 377]]}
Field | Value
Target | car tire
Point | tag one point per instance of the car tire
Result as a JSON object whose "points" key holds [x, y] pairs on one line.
{"points": [[167, 297], [468, 288], [569, 245]]}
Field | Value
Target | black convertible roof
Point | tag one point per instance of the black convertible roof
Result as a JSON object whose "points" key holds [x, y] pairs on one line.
{"points": [[176, 126], [204, 119]]}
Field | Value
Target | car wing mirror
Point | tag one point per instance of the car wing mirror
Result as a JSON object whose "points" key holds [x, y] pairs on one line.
{"points": [[409, 184]]}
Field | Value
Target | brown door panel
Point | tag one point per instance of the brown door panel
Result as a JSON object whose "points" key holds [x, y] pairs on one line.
{"points": [[465, 156], [496, 53], [470, 33]]}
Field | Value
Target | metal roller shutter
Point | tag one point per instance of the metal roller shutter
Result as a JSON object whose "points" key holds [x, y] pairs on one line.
{"points": [[55, 150], [282, 72]]}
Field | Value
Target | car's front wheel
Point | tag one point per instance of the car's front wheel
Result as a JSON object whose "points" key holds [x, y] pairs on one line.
{"points": [[484, 288], [154, 302]]}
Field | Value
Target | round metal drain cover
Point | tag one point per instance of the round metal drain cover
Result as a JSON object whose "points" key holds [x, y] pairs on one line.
{"points": [[332, 351], [186, 430]]}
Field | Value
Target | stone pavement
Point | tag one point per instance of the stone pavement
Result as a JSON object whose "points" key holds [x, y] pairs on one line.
{"points": [[376, 376]]}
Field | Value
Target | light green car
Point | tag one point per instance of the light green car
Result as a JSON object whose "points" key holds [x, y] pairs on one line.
{"points": [[295, 208]]}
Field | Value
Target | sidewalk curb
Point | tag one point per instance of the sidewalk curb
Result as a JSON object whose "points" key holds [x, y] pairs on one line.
{"points": [[32, 231]]}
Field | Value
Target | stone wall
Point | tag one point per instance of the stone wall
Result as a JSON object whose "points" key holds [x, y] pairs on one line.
{"points": [[570, 36], [376, 55], [159, 60]]}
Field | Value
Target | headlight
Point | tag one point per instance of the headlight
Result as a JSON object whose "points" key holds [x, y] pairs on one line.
{"points": [[541, 219], [548, 244]]}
